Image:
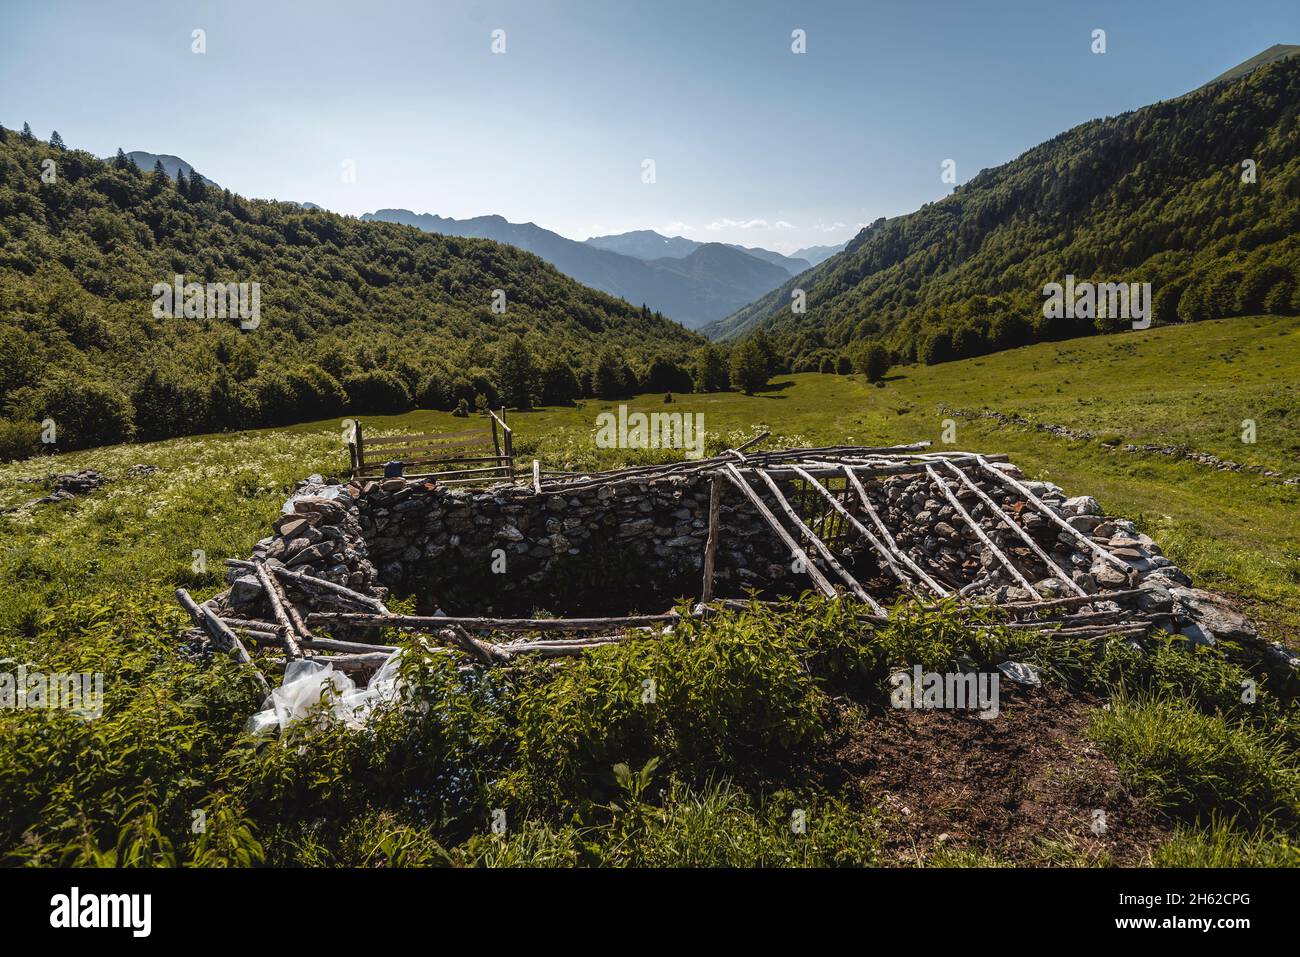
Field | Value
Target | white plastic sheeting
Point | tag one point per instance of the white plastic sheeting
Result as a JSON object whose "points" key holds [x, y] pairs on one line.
{"points": [[312, 688]]}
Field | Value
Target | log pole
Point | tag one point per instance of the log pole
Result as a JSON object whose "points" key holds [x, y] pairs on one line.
{"points": [[711, 547]]}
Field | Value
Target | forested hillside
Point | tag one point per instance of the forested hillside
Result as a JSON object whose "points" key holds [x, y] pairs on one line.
{"points": [[354, 316], [1157, 195]]}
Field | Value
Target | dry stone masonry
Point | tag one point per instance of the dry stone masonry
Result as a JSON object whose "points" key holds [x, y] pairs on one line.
{"points": [[879, 525]]}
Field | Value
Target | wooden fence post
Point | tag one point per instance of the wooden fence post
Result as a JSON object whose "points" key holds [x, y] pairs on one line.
{"points": [[711, 548]]}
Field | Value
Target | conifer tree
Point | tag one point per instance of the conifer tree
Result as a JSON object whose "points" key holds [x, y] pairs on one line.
{"points": [[515, 373]]}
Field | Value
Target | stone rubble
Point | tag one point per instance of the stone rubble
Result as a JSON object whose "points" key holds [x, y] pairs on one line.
{"points": [[71, 484]]}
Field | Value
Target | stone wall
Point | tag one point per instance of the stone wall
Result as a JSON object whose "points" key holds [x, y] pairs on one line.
{"points": [[637, 545], [473, 550]]}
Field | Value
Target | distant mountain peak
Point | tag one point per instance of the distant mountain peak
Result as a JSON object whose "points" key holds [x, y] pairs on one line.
{"points": [[172, 164], [816, 255]]}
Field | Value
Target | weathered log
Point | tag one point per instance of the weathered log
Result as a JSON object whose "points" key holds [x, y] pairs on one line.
{"points": [[862, 530], [1006, 519], [979, 532], [744, 604], [887, 537], [299, 626], [222, 636], [370, 661], [426, 622], [268, 637], [647, 473], [357, 647], [249, 624], [854, 585], [557, 649], [485, 651], [1050, 513], [311, 581], [1050, 603], [823, 584], [1123, 617], [762, 436], [711, 546], [272, 592]]}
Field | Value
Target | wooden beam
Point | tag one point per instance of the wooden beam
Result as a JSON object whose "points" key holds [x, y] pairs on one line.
{"points": [[426, 622], [272, 592], [311, 581], [370, 661], [979, 532], [887, 537], [222, 636], [819, 580], [1050, 513], [481, 431], [754, 441], [854, 585], [377, 466], [711, 546], [1015, 527], [862, 530], [357, 647], [248, 624], [485, 651]]}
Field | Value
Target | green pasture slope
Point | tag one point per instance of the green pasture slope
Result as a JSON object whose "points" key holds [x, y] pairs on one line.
{"points": [[87, 586]]}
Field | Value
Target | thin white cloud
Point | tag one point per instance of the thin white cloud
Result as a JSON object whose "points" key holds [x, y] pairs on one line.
{"points": [[725, 223], [675, 229]]}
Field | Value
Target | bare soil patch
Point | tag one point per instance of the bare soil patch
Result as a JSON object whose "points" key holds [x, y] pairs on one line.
{"points": [[1023, 787]]}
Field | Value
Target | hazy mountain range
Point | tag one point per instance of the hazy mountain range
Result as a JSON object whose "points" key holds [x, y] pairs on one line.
{"points": [[648, 244], [692, 283], [814, 255]]}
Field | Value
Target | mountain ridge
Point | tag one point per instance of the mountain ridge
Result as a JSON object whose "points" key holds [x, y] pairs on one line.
{"points": [[648, 244], [691, 296], [1155, 195], [816, 255]]}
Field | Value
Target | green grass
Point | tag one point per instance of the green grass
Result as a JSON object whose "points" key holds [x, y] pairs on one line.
{"points": [[1196, 764], [88, 586], [1221, 844]]}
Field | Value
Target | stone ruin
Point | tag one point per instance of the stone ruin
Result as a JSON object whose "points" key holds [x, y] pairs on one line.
{"points": [[875, 525]]}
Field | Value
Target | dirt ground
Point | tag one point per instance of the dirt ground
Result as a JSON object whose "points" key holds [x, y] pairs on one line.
{"points": [[1024, 787]]}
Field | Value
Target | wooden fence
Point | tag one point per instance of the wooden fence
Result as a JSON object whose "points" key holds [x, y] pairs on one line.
{"points": [[481, 454]]}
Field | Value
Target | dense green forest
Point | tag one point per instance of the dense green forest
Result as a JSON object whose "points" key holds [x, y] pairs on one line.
{"points": [[355, 317], [1158, 195]]}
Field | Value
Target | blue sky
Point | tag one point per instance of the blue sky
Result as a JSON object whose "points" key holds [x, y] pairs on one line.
{"points": [[751, 142]]}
